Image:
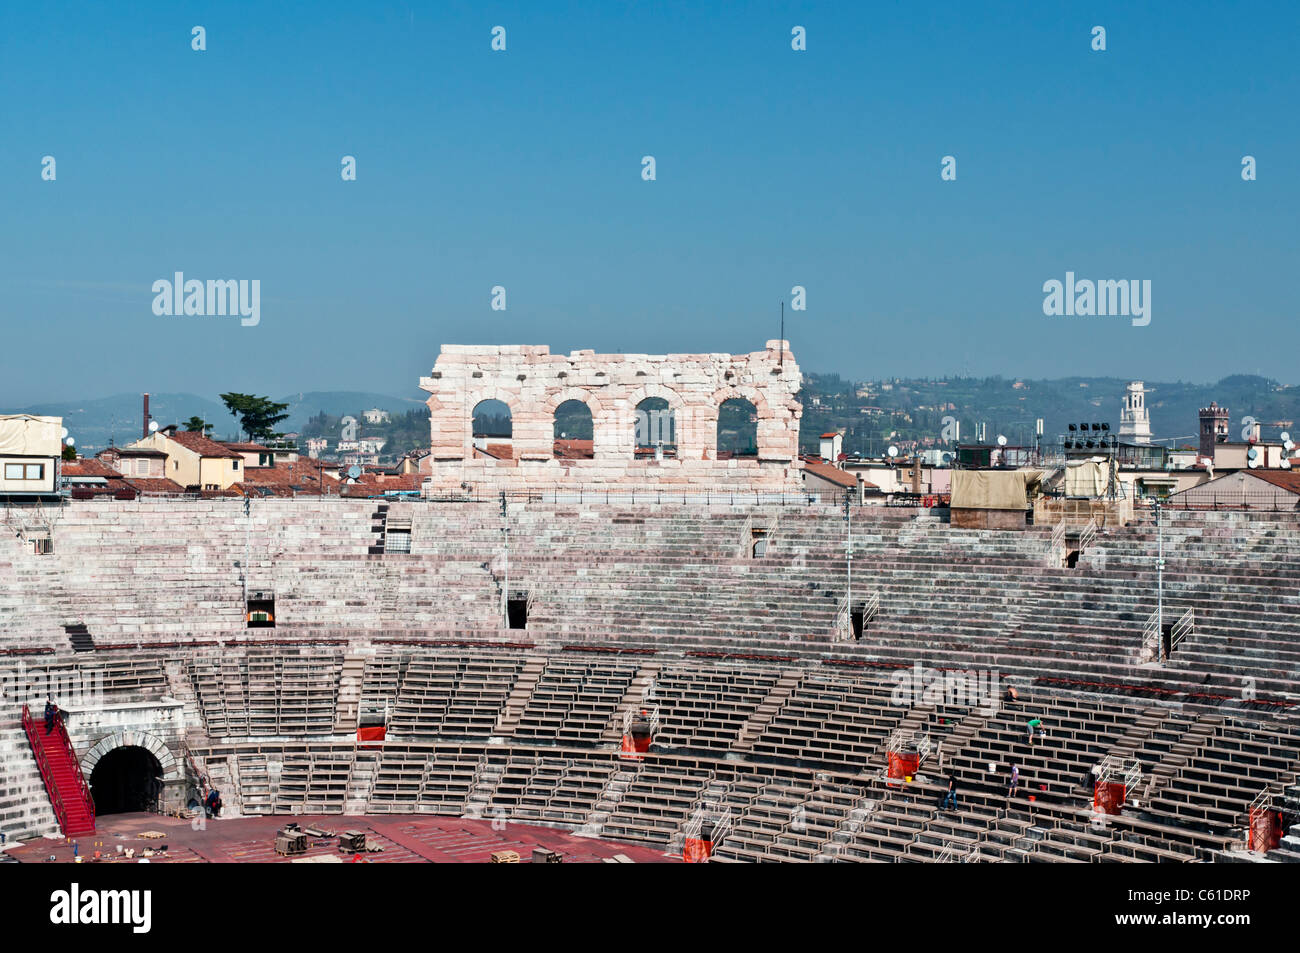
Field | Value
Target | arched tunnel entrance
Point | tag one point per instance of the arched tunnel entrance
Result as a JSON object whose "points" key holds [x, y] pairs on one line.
{"points": [[126, 779]]}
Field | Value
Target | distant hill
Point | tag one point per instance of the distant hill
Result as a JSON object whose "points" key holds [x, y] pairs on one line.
{"points": [[340, 403], [93, 423], [96, 422], [912, 409]]}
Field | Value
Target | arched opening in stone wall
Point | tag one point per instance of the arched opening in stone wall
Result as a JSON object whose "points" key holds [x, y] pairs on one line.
{"points": [[656, 429], [126, 779], [574, 431], [493, 429], [737, 429]]}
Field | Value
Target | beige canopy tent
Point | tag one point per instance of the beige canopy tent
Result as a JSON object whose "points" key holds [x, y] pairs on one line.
{"points": [[994, 489], [23, 435], [1086, 478]]}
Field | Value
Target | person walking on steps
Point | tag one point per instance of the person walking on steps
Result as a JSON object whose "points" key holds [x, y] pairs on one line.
{"points": [[950, 797], [50, 712], [1015, 781], [1035, 727]]}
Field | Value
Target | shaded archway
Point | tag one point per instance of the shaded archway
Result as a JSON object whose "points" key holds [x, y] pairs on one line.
{"points": [[492, 428], [656, 428], [574, 431], [126, 779], [737, 434]]}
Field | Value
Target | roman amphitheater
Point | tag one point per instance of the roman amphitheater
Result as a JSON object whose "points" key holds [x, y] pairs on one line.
{"points": [[663, 658]]}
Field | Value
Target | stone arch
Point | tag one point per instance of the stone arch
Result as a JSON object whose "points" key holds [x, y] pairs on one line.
{"points": [[592, 401], [133, 738], [741, 392]]}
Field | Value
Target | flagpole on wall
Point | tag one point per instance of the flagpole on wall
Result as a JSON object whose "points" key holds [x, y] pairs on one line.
{"points": [[781, 344]]}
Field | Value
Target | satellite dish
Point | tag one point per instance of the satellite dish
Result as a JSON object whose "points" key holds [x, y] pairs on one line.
{"points": [[893, 451], [1252, 453], [1285, 464], [1286, 437], [1002, 441], [153, 426], [354, 471], [65, 433], [1288, 445], [946, 458], [71, 442]]}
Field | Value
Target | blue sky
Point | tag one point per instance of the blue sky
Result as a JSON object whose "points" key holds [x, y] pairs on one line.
{"points": [[523, 169]]}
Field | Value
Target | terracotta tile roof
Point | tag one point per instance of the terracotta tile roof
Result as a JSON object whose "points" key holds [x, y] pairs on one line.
{"points": [[501, 451], [130, 452], [373, 484], [574, 449], [150, 486], [202, 445], [1286, 479], [245, 447], [831, 474], [287, 479], [87, 467]]}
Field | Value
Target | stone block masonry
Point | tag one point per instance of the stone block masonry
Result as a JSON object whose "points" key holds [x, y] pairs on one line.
{"points": [[533, 383]]}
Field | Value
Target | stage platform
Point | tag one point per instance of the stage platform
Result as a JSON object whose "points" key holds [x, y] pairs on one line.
{"points": [[405, 838]]}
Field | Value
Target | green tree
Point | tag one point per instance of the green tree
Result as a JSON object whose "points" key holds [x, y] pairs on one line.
{"points": [[257, 416], [197, 425], [69, 453]]}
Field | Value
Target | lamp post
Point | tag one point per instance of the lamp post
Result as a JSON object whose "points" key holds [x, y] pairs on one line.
{"points": [[505, 538], [848, 560], [1160, 587]]}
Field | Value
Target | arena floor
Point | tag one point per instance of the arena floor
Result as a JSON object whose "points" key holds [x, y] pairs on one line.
{"points": [[404, 838]]}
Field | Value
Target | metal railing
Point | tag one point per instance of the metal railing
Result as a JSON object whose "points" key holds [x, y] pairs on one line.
{"points": [[1056, 547], [1151, 638], [1114, 769], [1279, 502], [1185, 626], [43, 764], [870, 608], [1088, 535]]}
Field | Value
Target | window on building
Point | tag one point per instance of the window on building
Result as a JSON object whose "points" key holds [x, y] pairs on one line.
{"points": [[261, 613], [24, 471]]}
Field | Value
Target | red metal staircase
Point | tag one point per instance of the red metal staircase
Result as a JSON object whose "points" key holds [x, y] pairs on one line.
{"points": [[64, 782]]}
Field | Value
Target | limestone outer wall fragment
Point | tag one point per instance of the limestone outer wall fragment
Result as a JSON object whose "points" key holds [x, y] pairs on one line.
{"points": [[533, 382]]}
